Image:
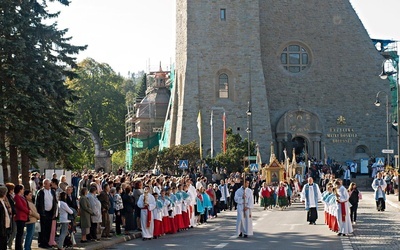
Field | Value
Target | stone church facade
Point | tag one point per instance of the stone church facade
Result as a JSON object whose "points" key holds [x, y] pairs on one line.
{"points": [[307, 69]]}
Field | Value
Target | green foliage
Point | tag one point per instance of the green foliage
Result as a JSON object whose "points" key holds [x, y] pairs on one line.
{"points": [[141, 91], [101, 105], [35, 57], [118, 160], [82, 157], [237, 150], [131, 87], [144, 160], [167, 159]]}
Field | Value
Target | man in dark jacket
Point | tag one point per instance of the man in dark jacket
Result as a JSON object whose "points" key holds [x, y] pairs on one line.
{"points": [[72, 202], [46, 205], [233, 186]]}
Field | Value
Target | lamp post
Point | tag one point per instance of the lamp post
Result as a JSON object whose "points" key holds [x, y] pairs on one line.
{"points": [[248, 130], [384, 75], [377, 103]]}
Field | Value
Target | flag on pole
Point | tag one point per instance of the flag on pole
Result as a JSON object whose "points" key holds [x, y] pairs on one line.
{"points": [[199, 128], [224, 133], [293, 163], [293, 157], [286, 160]]}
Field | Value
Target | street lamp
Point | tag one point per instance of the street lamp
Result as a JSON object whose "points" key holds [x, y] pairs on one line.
{"points": [[377, 103], [248, 130]]}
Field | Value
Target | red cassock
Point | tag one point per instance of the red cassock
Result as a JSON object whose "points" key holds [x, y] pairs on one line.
{"points": [[158, 228], [334, 224], [179, 221], [186, 220], [174, 227], [166, 224]]}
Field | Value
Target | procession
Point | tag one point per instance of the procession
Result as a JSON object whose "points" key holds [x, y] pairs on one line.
{"points": [[103, 205]]}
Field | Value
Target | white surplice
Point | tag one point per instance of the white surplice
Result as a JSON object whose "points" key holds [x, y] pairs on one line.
{"points": [[147, 232], [192, 194], [244, 223], [345, 226]]}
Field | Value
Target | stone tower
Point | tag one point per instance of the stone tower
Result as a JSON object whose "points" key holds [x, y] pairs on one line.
{"points": [[308, 69]]}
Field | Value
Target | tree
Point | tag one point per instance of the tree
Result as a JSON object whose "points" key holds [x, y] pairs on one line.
{"points": [[236, 151], [141, 92], [118, 160], [35, 57], [144, 160], [131, 87], [167, 159], [101, 105]]}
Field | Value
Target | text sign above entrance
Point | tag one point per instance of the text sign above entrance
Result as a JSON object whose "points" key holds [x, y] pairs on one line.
{"points": [[387, 151]]}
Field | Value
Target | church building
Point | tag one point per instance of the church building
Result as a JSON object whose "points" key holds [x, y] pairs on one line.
{"points": [[307, 70]]}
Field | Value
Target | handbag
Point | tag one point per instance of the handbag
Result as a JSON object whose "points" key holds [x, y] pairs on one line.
{"points": [[72, 216]]}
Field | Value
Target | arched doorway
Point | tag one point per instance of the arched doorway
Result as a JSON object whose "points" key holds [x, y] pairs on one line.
{"points": [[300, 130], [300, 147]]}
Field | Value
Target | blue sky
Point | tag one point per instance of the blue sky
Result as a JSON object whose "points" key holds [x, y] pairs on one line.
{"points": [[134, 35]]}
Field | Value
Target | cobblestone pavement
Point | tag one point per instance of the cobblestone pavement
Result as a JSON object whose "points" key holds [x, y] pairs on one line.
{"points": [[376, 230]]}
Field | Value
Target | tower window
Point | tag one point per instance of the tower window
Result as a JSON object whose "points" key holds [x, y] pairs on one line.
{"points": [[295, 58], [222, 14], [223, 86]]}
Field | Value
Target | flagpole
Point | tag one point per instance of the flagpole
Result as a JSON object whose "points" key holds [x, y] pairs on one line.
{"points": [[199, 128], [224, 133], [212, 134]]}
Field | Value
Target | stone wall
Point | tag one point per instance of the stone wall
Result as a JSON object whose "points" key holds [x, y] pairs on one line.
{"points": [[338, 85]]}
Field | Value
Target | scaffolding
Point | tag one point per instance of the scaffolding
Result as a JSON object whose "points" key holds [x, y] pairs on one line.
{"points": [[144, 121]]}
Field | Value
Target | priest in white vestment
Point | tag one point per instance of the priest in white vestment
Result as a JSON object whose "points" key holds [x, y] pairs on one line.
{"points": [[310, 196], [245, 203], [343, 210], [147, 204], [379, 185]]}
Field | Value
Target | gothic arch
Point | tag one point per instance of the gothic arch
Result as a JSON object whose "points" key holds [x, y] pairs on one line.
{"points": [[299, 123]]}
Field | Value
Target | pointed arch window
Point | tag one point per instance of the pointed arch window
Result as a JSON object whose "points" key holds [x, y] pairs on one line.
{"points": [[223, 86]]}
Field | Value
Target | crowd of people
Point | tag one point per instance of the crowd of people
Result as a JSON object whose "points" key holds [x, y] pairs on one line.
{"points": [[102, 204], [158, 205]]}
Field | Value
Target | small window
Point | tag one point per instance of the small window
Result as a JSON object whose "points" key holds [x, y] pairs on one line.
{"points": [[222, 14], [223, 86]]}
